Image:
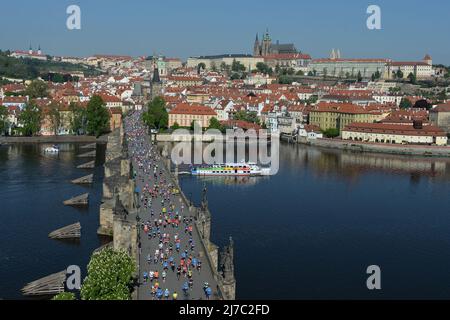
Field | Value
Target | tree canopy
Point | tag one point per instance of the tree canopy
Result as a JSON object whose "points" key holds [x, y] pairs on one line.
{"points": [[78, 121], [55, 117], [97, 117], [3, 119], [247, 116], [215, 124], [37, 89], [264, 68], [156, 117], [110, 275], [236, 66], [29, 69], [412, 78], [64, 296], [30, 120], [331, 133], [405, 103]]}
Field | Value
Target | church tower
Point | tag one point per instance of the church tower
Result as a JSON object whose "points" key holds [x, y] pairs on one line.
{"points": [[156, 84], [428, 60], [266, 44], [256, 47]]}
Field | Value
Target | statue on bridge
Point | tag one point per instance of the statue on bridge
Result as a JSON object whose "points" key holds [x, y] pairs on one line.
{"points": [[204, 206], [227, 262]]}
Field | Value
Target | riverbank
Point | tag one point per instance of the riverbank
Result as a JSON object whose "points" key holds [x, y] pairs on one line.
{"points": [[413, 150], [53, 139]]}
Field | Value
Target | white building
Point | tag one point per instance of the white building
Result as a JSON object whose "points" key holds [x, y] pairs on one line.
{"points": [[421, 69], [395, 133]]}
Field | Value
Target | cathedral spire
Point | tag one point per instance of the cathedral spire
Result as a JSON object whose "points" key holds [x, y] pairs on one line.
{"points": [[156, 77], [256, 47]]}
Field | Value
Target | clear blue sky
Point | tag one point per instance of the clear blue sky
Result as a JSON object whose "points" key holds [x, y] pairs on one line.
{"points": [[410, 28]]}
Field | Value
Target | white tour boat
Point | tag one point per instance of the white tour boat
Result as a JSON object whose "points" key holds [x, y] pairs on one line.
{"points": [[230, 169]]}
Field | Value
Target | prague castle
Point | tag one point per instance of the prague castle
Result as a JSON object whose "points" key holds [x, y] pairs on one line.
{"points": [[266, 47]]}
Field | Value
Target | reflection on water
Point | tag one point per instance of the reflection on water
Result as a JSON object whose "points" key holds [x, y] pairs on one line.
{"points": [[240, 181], [32, 190], [351, 165], [326, 216]]}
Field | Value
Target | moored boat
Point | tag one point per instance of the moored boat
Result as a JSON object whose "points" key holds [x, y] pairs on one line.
{"points": [[52, 149], [229, 169]]}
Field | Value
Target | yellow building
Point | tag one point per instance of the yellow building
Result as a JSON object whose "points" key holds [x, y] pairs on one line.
{"points": [[183, 114], [185, 81], [339, 115]]}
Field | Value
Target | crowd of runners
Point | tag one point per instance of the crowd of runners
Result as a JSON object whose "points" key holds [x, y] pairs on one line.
{"points": [[172, 268]]}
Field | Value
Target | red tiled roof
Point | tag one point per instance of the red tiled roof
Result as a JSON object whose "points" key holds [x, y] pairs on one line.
{"points": [[408, 63], [351, 60], [195, 109], [241, 124], [388, 128], [287, 56], [340, 108], [445, 107]]}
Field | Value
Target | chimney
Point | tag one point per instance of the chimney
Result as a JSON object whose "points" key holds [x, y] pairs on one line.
{"points": [[418, 124]]}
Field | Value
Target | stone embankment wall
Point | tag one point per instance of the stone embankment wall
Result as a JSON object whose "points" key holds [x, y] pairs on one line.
{"points": [[118, 209], [414, 150], [52, 139]]}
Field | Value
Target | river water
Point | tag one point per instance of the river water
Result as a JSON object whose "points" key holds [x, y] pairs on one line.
{"points": [[32, 188], [309, 232]]}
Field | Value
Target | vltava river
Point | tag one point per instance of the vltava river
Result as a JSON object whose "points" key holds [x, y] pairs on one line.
{"points": [[311, 231], [32, 188], [308, 232]]}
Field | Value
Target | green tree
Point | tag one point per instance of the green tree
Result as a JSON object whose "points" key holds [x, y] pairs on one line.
{"points": [[235, 76], [331, 133], [247, 116], [300, 73], [37, 89], [3, 119], [285, 79], [442, 96], [175, 126], [54, 115], [213, 66], [215, 124], [64, 296], [399, 74], [264, 68], [360, 78], [236, 66], [277, 69], [110, 275], [225, 67], [156, 117], [412, 78], [78, 120], [405, 104], [201, 66], [97, 116], [30, 120]]}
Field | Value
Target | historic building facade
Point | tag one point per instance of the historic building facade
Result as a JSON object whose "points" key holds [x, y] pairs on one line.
{"points": [[266, 47]]}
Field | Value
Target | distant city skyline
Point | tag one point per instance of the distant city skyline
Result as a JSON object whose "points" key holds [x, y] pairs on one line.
{"points": [[191, 28]]}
